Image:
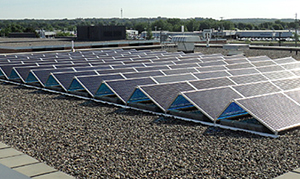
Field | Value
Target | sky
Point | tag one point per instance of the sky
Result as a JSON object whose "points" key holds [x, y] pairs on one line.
{"points": [[216, 9]]}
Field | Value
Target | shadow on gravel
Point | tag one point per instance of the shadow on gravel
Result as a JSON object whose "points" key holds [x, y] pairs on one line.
{"points": [[88, 103], [171, 121], [218, 132], [129, 112], [210, 130]]}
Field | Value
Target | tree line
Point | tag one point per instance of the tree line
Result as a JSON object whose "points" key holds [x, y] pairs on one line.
{"points": [[142, 24]]}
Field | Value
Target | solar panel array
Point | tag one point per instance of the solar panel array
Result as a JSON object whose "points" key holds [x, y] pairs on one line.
{"points": [[221, 88]]}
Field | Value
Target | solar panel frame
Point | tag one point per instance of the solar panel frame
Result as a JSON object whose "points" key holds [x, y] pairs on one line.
{"points": [[65, 78], [211, 83], [237, 60], [180, 71], [143, 74], [163, 94], [211, 102], [211, 68], [92, 83], [264, 63], [244, 71], [270, 68], [212, 63], [288, 84], [124, 88], [291, 66], [271, 109], [239, 66], [42, 74], [285, 60], [175, 78], [259, 58], [212, 74], [255, 89], [279, 75], [248, 78]]}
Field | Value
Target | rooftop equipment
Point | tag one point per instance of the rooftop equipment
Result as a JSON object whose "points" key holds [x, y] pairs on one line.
{"points": [[236, 49], [186, 43]]}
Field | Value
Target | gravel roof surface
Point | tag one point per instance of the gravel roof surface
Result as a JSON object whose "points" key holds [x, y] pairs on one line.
{"points": [[92, 140]]}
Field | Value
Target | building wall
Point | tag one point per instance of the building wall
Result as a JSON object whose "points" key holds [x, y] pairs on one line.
{"points": [[101, 33]]}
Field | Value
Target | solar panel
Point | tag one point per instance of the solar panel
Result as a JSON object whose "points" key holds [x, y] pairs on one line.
{"points": [[215, 74], [278, 75], [152, 68], [91, 83], [239, 66], [65, 78], [210, 59], [285, 60], [291, 66], [212, 83], [243, 71], [276, 111], [41, 75], [248, 78], [143, 74], [121, 70], [294, 95], [71, 65], [21, 73], [174, 78], [270, 68], [188, 65], [94, 68], [158, 64], [288, 84], [238, 60], [255, 89], [213, 63], [163, 94], [124, 88], [211, 68], [196, 60], [296, 72], [259, 58], [7, 69], [180, 71], [263, 63], [212, 102]]}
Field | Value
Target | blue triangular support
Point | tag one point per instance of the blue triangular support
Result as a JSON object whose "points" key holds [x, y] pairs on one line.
{"points": [[233, 110], [51, 82], [104, 90], [76, 86], [179, 103], [138, 96], [31, 78], [14, 75]]}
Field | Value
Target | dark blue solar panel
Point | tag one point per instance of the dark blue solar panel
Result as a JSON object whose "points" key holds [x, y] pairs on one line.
{"points": [[143, 74], [215, 74], [175, 78], [212, 83], [121, 70], [124, 88], [43, 74], [180, 71], [164, 94], [92, 83], [65, 78]]}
